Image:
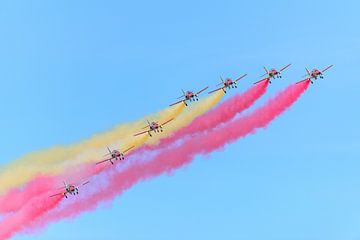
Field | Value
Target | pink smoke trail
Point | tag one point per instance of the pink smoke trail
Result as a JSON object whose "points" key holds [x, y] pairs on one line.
{"points": [[171, 159], [29, 212], [16, 198]]}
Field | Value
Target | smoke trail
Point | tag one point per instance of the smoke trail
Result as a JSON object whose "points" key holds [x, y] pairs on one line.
{"points": [[223, 113], [55, 160], [170, 159], [51, 160], [16, 198], [32, 210]]}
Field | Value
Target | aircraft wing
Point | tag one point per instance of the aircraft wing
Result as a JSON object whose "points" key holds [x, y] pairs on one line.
{"points": [[202, 90], [215, 90], [327, 68], [103, 161], [82, 184], [176, 103], [285, 67], [167, 121], [262, 80], [57, 194], [128, 149], [307, 79], [137, 134], [240, 77]]}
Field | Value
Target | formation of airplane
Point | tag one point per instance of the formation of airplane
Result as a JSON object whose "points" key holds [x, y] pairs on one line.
{"points": [[153, 127], [69, 189], [188, 96], [227, 84]]}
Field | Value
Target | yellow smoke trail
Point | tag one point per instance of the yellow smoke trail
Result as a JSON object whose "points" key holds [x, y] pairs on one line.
{"points": [[56, 159]]}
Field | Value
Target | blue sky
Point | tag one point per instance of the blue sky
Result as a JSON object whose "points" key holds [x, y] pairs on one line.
{"points": [[70, 69]]}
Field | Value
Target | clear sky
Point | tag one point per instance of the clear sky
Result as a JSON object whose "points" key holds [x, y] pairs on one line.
{"points": [[69, 69]]}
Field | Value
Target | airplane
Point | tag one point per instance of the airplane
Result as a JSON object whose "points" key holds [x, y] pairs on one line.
{"points": [[189, 96], [153, 127], [115, 155], [227, 84], [69, 189], [272, 74], [314, 74]]}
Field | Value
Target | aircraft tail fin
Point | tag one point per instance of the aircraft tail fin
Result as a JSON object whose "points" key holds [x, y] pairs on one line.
{"points": [[267, 71], [108, 149]]}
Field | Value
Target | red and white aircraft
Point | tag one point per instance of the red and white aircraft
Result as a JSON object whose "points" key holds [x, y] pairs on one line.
{"points": [[153, 127], [273, 73], [189, 96], [227, 84], [314, 74], [69, 189], [115, 155]]}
